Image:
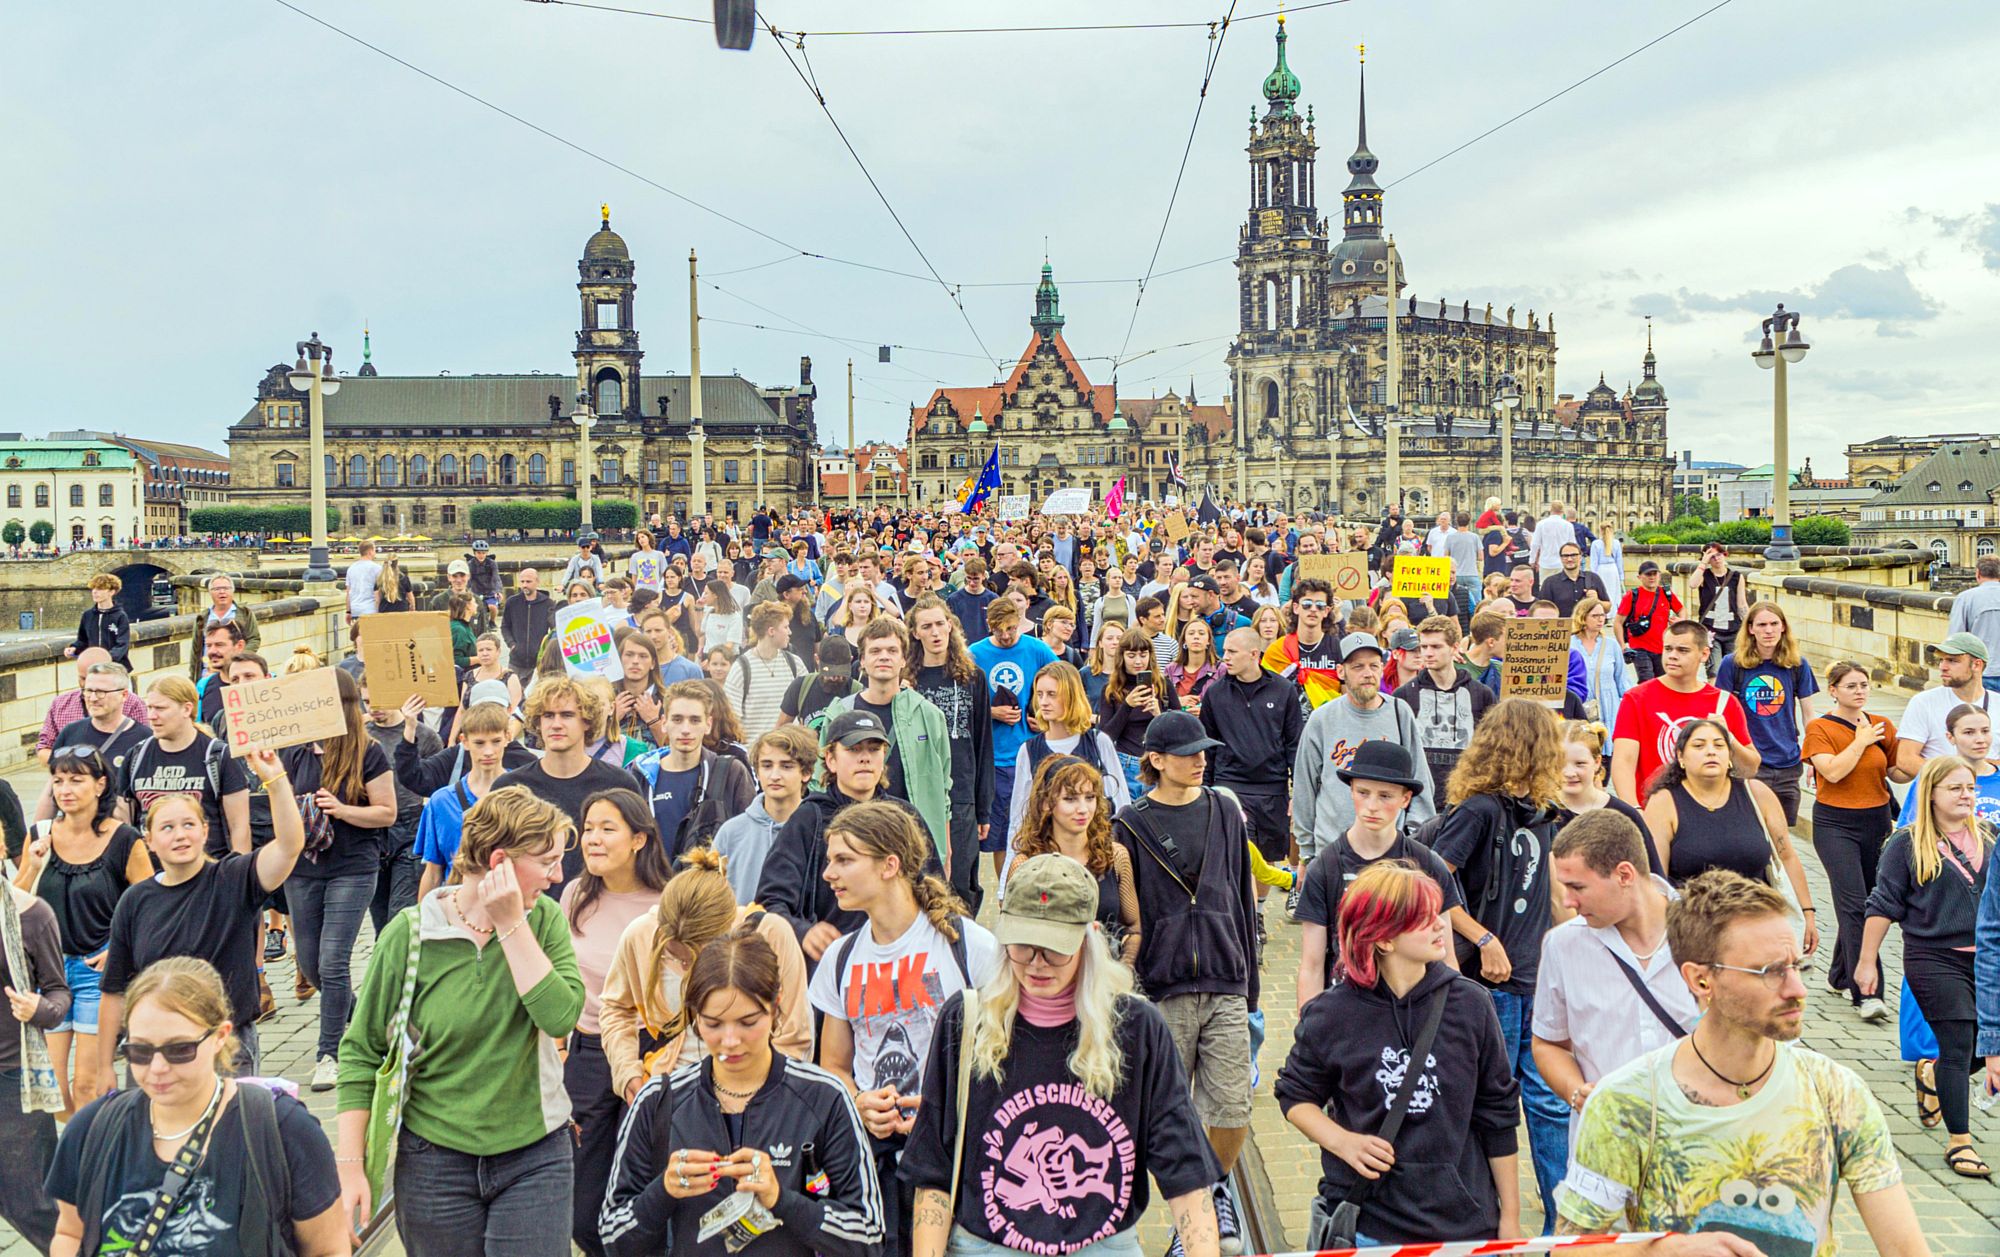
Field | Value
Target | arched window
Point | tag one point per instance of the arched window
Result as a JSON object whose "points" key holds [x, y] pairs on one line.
{"points": [[1939, 550], [1984, 549], [610, 394], [1451, 392], [420, 470], [388, 472], [538, 469], [475, 469], [332, 471], [1270, 399], [448, 469], [357, 471], [507, 466]]}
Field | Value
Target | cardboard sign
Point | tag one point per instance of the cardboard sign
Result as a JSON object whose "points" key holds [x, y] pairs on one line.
{"points": [[1346, 573], [584, 631], [283, 711], [1536, 665], [1067, 502], [409, 652], [1419, 575], [1013, 507], [1176, 527]]}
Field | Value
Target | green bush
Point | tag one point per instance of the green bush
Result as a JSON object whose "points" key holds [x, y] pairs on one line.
{"points": [[1743, 532], [1654, 535], [1821, 530], [12, 533], [273, 521], [41, 532], [557, 515], [1688, 526]]}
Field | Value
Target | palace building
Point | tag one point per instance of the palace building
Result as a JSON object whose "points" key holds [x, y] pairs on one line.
{"points": [[413, 454]]}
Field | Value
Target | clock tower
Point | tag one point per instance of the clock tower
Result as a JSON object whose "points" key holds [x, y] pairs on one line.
{"points": [[1281, 252]]}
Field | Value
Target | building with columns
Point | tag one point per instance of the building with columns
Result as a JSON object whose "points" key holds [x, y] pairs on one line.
{"points": [[1309, 365], [413, 454]]}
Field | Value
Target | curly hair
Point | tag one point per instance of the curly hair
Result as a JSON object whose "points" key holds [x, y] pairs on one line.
{"points": [[1059, 776], [1516, 752]]}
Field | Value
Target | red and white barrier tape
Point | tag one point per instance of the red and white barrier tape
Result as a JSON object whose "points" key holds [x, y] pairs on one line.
{"points": [[1481, 1248]]}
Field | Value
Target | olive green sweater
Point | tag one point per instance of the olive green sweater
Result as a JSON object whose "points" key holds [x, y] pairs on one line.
{"points": [[486, 1078]]}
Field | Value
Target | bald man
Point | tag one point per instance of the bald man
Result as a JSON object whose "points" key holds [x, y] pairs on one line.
{"points": [[1256, 716], [69, 707]]}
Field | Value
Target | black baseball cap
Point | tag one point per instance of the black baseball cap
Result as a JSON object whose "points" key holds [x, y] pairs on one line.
{"points": [[1178, 733], [852, 728]]}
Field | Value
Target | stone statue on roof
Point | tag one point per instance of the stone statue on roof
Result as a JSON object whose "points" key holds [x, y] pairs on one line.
{"points": [[555, 408]]}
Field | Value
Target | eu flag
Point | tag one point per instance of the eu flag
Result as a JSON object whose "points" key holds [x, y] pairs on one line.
{"points": [[988, 482]]}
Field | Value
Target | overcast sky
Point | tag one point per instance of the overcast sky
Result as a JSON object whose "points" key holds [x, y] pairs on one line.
{"points": [[197, 187]]}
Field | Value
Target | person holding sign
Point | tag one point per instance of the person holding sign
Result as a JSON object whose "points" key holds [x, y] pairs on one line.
{"points": [[181, 758], [201, 906], [347, 796]]}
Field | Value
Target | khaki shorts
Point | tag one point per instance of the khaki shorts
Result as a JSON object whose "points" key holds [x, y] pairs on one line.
{"points": [[1212, 1035]]}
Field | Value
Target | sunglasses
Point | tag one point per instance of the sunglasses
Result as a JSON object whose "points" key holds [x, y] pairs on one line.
{"points": [[1312, 604], [140, 1055], [1023, 954], [85, 755]]}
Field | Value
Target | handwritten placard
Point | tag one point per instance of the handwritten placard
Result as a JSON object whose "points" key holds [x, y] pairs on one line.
{"points": [[1419, 576], [1176, 527], [283, 711], [408, 652], [1347, 574], [1014, 506], [584, 631], [1067, 502], [1536, 665]]}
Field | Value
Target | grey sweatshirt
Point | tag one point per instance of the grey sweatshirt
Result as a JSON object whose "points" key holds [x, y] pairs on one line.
{"points": [[1322, 808], [744, 840]]}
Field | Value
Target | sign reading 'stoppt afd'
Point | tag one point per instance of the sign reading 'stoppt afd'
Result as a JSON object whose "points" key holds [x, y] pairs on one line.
{"points": [[408, 652], [584, 631], [283, 711]]}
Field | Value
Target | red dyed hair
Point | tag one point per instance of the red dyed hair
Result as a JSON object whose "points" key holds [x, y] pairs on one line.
{"points": [[1390, 898]]}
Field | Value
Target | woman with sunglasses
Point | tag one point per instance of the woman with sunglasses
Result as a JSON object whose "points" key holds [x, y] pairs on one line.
{"points": [[187, 1109], [201, 906], [1931, 876], [1059, 1018], [483, 1162], [80, 864]]}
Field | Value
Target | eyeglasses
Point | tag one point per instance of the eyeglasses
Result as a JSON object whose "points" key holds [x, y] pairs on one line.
{"points": [[1023, 954], [140, 1055], [94, 692], [1773, 974]]}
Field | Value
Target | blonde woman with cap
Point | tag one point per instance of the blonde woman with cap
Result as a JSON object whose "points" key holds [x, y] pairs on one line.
{"points": [[1060, 1017]]}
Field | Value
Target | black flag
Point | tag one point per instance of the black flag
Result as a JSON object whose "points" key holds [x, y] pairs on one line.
{"points": [[1208, 512]]}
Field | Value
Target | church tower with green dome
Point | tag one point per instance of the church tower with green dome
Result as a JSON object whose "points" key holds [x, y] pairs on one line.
{"points": [[1282, 247]]}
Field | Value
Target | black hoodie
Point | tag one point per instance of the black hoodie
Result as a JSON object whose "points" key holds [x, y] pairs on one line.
{"points": [[1259, 724], [1352, 1044], [792, 885], [1199, 937]]}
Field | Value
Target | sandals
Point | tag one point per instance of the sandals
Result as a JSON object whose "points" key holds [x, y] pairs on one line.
{"points": [[1929, 1111], [1966, 1163]]}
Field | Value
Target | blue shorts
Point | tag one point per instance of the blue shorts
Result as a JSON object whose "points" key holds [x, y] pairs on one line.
{"points": [[85, 991]]}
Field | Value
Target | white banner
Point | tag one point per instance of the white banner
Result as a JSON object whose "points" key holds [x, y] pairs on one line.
{"points": [[1013, 508], [1067, 502]]}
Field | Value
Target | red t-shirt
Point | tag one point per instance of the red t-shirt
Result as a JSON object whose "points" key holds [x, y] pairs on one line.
{"points": [[1641, 602], [1652, 715]]}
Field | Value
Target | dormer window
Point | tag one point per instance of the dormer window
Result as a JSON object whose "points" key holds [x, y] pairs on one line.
{"points": [[91, 458], [1965, 486], [1933, 486]]}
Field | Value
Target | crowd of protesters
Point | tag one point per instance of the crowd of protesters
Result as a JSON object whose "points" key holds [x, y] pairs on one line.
{"points": [[701, 958]]}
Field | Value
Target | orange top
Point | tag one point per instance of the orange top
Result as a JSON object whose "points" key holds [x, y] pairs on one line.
{"points": [[1867, 785]]}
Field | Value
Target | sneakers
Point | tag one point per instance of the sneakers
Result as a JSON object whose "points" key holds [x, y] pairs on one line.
{"points": [[325, 1074], [1873, 1011], [1174, 1249], [1263, 936], [1292, 897], [274, 944], [1228, 1231]]}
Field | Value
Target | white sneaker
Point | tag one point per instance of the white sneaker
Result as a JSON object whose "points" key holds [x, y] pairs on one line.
{"points": [[1873, 1011], [325, 1074]]}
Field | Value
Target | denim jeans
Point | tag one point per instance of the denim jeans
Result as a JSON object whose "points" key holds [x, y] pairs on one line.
{"points": [[996, 817], [30, 1141], [453, 1204], [1548, 1116], [402, 870], [326, 919]]}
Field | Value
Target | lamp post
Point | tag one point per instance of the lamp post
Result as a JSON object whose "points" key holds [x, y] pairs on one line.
{"points": [[758, 446], [1781, 346], [1506, 397], [313, 375], [583, 418], [1392, 392]]}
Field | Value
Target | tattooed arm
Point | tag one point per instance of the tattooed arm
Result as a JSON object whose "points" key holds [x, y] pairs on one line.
{"points": [[930, 1227], [1194, 1220]]}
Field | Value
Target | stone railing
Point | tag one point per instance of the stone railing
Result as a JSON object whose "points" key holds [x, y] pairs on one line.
{"points": [[1887, 630], [33, 673]]}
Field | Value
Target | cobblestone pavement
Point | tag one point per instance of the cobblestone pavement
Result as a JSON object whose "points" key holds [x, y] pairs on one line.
{"points": [[1961, 1217]]}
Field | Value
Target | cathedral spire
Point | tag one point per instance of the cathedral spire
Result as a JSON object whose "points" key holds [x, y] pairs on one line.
{"points": [[367, 354], [1281, 86], [1048, 318], [1362, 201]]}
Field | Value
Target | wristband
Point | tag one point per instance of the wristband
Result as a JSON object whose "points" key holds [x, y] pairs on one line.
{"points": [[1484, 939], [1810, 908]]}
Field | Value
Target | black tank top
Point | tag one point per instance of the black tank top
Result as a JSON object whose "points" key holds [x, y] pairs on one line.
{"points": [[1729, 837]]}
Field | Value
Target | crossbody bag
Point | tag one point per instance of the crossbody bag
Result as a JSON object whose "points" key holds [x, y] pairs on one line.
{"points": [[1337, 1229]]}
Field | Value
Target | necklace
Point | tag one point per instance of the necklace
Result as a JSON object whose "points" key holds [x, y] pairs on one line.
{"points": [[466, 920], [213, 1100], [1742, 1088], [734, 1095]]}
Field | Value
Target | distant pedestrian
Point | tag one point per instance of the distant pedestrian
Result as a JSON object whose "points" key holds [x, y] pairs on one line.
{"points": [[1977, 610]]}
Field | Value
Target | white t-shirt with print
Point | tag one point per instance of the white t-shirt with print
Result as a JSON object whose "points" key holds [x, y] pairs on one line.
{"points": [[889, 995]]}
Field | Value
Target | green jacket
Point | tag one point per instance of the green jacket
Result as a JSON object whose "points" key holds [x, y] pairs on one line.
{"points": [[487, 1079], [252, 639], [924, 744]]}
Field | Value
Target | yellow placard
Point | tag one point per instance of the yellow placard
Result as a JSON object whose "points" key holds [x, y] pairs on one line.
{"points": [[1536, 665], [1418, 576], [282, 711]]}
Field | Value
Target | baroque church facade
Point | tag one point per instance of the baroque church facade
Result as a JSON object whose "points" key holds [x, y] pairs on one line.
{"points": [[412, 454], [1309, 366]]}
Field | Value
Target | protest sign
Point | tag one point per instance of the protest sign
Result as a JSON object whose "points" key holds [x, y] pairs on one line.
{"points": [[283, 711], [1067, 502], [1015, 507], [1417, 576], [1176, 526], [408, 652], [1536, 665], [584, 630], [1347, 574]]}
